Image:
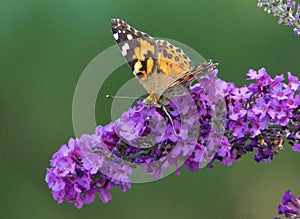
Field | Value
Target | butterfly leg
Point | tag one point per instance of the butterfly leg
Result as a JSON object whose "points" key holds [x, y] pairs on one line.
{"points": [[140, 109], [170, 118]]}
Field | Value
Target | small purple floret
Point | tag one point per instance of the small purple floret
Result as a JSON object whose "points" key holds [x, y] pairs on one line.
{"points": [[290, 206]]}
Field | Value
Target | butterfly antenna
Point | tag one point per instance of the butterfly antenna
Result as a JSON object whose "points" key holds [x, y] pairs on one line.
{"points": [[125, 97], [121, 97], [170, 118]]}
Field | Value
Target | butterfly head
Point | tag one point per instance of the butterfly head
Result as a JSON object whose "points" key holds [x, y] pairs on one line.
{"points": [[153, 100]]}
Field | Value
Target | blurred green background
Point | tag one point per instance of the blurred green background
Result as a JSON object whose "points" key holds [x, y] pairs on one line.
{"points": [[45, 46]]}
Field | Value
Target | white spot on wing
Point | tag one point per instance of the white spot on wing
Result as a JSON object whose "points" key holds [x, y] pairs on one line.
{"points": [[129, 36], [116, 36], [125, 47]]}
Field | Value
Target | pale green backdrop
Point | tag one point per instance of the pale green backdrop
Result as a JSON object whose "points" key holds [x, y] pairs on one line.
{"points": [[44, 47]]}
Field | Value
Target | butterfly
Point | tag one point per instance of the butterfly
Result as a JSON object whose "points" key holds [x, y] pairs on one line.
{"points": [[160, 67]]}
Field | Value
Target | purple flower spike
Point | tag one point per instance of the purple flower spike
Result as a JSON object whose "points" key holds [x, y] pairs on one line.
{"points": [[214, 121], [286, 11]]}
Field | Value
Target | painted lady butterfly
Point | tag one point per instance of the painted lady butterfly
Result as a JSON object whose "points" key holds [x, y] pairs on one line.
{"points": [[160, 66]]}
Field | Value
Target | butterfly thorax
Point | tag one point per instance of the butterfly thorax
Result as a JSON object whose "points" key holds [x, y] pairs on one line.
{"points": [[153, 100]]}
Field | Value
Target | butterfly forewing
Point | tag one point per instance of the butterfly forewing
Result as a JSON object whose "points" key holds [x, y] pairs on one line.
{"points": [[138, 48]]}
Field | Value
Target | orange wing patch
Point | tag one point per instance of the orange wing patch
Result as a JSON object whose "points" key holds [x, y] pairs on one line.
{"points": [[143, 55], [143, 49], [172, 60]]}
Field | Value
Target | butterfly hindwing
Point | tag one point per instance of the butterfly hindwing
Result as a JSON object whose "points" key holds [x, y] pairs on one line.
{"points": [[172, 60]]}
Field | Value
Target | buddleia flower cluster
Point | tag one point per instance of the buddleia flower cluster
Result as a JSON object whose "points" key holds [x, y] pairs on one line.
{"points": [[215, 121], [287, 12]]}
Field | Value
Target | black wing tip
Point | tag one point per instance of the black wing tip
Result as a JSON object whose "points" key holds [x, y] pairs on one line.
{"points": [[114, 22], [117, 21]]}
